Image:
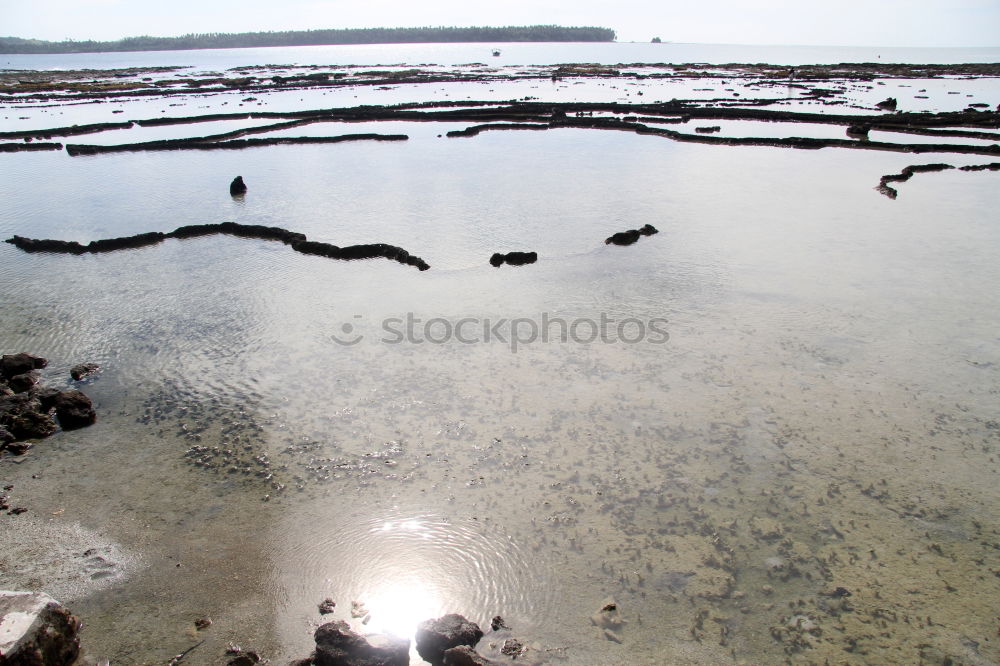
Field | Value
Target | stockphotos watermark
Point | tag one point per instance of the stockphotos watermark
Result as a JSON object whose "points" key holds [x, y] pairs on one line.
{"points": [[512, 332]]}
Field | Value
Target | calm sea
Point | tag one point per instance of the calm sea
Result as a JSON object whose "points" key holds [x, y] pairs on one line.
{"points": [[511, 54]]}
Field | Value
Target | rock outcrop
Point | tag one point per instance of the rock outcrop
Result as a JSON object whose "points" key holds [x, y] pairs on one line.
{"points": [[513, 258], [36, 630], [237, 187], [26, 408], [297, 241], [631, 236], [337, 645], [448, 631]]}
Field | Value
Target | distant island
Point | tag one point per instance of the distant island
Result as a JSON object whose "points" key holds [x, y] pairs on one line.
{"points": [[533, 33]]}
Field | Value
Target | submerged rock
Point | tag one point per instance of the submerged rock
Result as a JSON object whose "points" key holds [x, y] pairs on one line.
{"points": [[74, 409], [36, 630], [435, 636]]}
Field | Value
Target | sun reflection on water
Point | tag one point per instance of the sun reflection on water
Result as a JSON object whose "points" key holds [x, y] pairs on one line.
{"points": [[406, 593]]}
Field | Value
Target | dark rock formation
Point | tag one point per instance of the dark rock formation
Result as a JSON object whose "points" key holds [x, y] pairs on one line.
{"points": [[23, 416], [237, 187], [327, 606], [463, 655], [74, 410], [630, 236], [433, 637], [25, 407], [888, 104], [23, 382], [513, 258], [298, 242], [125, 242], [83, 370], [337, 645], [992, 166], [37, 631], [708, 130], [905, 175], [16, 364]]}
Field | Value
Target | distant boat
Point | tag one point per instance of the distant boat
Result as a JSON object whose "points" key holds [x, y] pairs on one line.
{"points": [[496, 53]]}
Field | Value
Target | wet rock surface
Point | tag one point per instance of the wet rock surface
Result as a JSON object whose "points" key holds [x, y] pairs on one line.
{"points": [[36, 630], [435, 636], [338, 645], [84, 370], [25, 407]]}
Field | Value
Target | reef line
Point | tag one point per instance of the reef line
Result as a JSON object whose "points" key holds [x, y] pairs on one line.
{"points": [[297, 241]]}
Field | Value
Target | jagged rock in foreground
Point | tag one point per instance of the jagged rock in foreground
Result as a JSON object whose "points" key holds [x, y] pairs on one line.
{"points": [[36, 630], [337, 645], [435, 636]]}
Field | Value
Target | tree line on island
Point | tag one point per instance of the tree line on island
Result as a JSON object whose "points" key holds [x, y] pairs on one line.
{"points": [[533, 33]]}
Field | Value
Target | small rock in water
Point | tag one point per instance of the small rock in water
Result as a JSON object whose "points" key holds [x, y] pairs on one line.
{"points": [[358, 609], [327, 606], [83, 370], [435, 636], [237, 187]]}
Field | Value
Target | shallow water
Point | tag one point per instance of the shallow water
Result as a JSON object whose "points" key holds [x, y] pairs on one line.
{"points": [[822, 414]]}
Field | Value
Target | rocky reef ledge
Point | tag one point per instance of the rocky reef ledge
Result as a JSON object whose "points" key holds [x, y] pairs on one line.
{"points": [[26, 409], [297, 241]]}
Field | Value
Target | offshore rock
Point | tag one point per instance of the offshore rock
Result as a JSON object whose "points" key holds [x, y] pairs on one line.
{"points": [[513, 258], [888, 104], [435, 636], [631, 236], [237, 187], [36, 630], [83, 370], [337, 645]]}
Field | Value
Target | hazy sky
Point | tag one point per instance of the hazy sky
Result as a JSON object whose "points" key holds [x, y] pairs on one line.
{"points": [[831, 22]]}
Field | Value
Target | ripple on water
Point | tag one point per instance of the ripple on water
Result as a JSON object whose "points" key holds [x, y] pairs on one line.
{"points": [[405, 568]]}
